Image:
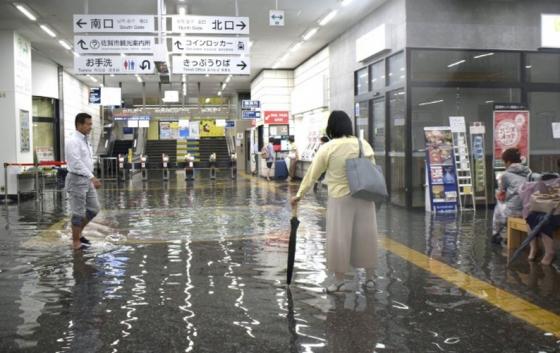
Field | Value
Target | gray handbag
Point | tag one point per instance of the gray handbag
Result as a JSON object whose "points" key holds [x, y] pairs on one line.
{"points": [[366, 179]]}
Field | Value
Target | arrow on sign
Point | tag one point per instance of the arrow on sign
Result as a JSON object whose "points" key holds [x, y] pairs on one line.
{"points": [[279, 17], [81, 43], [242, 25], [80, 23], [145, 65], [242, 65], [178, 44]]}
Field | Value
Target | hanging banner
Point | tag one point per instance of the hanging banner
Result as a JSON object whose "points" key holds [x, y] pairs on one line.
{"points": [[511, 129], [478, 133], [441, 169]]}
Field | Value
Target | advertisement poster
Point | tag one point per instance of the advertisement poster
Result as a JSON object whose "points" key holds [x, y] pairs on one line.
{"points": [[511, 129], [209, 128], [194, 130], [169, 130], [25, 142], [442, 174], [478, 132]]}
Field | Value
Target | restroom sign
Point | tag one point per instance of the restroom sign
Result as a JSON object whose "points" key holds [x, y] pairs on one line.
{"points": [[113, 23], [113, 64]]}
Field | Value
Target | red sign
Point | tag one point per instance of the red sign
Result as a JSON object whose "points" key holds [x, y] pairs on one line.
{"points": [[511, 129], [277, 117]]}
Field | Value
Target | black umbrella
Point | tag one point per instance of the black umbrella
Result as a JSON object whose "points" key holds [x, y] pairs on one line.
{"points": [[294, 224], [534, 233]]}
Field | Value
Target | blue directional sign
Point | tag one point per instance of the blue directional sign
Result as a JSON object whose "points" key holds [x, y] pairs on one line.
{"points": [[249, 104], [250, 114]]}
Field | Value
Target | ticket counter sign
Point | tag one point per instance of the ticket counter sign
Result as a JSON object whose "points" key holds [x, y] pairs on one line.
{"points": [[511, 130], [441, 169], [222, 65]]}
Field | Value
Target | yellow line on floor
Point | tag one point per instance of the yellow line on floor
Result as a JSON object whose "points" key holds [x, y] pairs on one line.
{"points": [[510, 303]]}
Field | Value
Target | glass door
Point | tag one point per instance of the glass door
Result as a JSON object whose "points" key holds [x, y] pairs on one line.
{"points": [[378, 133], [362, 120], [397, 146]]}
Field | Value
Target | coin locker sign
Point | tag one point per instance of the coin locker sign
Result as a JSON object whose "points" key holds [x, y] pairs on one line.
{"points": [[210, 24], [113, 44], [209, 45], [113, 23], [211, 65], [113, 64]]}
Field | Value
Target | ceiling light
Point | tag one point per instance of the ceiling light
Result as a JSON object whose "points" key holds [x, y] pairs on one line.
{"points": [[65, 44], [207, 75], [122, 54], [184, 78], [456, 63], [483, 55], [345, 2], [250, 43], [432, 102], [48, 30], [295, 47], [310, 33], [182, 10], [26, 11], [219, 93], [207, 100], [101, 85], [488, 102], [224, 86], [184, 88], [138, 78], [228, 79], [76, 54], [528, 66], [112, 75], [91, 78], [328, 18]]}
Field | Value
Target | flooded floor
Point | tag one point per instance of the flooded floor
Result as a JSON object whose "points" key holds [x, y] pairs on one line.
{"points": [[202, 268]]}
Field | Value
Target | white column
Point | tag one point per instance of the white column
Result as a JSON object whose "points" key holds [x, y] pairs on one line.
{"points": [[16, 132]]}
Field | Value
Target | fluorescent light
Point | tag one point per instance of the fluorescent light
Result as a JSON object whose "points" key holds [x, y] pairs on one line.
{"points": [[228, 79], [250, 43], [328, 18], [310, 33], [488, 102], [528, 66], [207, 75], [112, 75], [207, 100], [184, 78], [65, 44], [48, 30], [184, 88], [75, 54], [224, 86], [91, 78], [483, 55], [456, 63], [138, 78], [345, 2], [182, 10], [432, 102], [122, 54], [26, 11], [219, 93], [295, 47]]}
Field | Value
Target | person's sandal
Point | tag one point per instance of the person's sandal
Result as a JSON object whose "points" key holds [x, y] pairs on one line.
{"points": [[85, 240], [336, 287]]}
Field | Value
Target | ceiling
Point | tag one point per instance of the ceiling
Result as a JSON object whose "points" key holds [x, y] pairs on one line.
{"points": [[269, 43]]}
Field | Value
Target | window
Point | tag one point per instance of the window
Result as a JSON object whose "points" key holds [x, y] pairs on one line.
{"points": [[545, 109], [378, 76], [543, 68], [362, 120], [362, 81], [397, 70], [465, 66]]}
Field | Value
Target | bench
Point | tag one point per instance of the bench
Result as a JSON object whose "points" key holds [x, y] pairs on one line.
{"points": [[517, 230]]}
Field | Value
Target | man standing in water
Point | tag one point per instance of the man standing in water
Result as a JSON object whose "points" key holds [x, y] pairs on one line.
{"points": [[80, 182]]}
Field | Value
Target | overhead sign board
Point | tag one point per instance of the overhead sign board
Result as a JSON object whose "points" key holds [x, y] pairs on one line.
{"points": [[277, 117], [211, 65], [210, 45], [550, 31], [276, 17], [250, 114], [113, 44], [209, 24], [113, 64], [113, 23], [250, 104]]}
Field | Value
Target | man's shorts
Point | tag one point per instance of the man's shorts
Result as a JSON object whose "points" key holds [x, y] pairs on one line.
{"points": [[82, 195]]}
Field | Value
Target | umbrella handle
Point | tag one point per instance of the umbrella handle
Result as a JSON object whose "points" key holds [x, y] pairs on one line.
{"points": [[294, 210]]}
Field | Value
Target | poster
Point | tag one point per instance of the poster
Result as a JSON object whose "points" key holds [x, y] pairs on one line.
{"points": [[478, 156], [556, 130], [511, 129], [194, 130], [442, 175], [25, 142], [209, 128]]}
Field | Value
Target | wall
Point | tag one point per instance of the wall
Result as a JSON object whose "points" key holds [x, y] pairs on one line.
{"points": [[343, 52], [311, 84], [480, 24], [44, 75], [274, 89], [76, 100]]}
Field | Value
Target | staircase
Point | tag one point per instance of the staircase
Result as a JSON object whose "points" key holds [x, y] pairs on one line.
{"points": [[187, 146], [154, 150], [209, 145], [121, 147]]}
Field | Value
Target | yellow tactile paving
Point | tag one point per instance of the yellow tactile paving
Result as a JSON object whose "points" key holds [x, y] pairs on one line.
{"points": [[510, 303]]}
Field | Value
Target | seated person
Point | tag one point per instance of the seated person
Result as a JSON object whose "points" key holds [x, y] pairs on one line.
{"points": [[509, 203]]}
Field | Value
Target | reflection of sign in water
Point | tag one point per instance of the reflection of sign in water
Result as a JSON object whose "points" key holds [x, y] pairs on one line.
{"points": [[25, 143], [511, 130]]}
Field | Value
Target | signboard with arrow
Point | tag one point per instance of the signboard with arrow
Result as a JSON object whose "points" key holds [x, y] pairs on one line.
{"points": [[276, 17], [210, 45], [113, 44], [113, 23], [202, 65], [209, 24], [113, 64]]}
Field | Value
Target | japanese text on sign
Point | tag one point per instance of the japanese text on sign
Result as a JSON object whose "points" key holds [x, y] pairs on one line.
{"points": [[114, 64], [113, 44], [210, 45], [113, 23], [211, 65], [210, 24]]}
